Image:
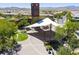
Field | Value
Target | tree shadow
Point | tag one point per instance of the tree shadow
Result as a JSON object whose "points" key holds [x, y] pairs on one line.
{"points": [[46, 36], [55, 44], [43, 35]]}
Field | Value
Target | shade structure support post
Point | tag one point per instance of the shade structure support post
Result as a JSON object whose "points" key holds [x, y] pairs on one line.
{"points": [[44, 35], [50, 31]]}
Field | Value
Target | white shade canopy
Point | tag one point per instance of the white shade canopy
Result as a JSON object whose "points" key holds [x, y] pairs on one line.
{"points": [[43, 22]]}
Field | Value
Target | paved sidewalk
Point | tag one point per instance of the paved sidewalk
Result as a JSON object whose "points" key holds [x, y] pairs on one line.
{"points": [[32, 46]]}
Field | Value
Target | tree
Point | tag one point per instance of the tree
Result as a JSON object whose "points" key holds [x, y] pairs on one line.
{"points": [[68, 32], [7, 30], [1, 14], [60, 33], [64, 13], [69, 27], [60, 15], [69, 16], [23, 22], [50, 12], [64, 51], [18, 16]]}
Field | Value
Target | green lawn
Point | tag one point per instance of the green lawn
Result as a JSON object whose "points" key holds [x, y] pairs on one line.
{"points": [[21, 36]]}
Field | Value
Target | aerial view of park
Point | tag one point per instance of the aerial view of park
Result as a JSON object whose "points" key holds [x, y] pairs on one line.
{"points": [[39, 29]]}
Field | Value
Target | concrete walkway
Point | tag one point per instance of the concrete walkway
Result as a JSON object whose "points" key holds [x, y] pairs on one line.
{"points": [[32, 46]]}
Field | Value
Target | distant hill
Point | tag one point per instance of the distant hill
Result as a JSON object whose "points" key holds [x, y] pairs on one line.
{"points": [[14, 8], [43, 8], [28, 10], [60, 8]]}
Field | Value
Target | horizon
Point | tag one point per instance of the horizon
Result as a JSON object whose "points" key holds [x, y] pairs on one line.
{"points": [[28, 5]]}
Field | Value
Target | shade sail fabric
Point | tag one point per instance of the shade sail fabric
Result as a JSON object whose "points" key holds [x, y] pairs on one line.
{"points": [[43, 22]]}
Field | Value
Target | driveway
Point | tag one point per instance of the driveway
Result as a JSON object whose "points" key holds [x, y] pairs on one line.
{"points": [[32, 46]]}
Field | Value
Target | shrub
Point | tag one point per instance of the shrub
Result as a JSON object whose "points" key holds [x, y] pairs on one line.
{"points": [[7, 30], [23, 22], [64, 51]]}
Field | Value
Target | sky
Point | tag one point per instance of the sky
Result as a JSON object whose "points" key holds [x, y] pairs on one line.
{"points": [[28, 5]]}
